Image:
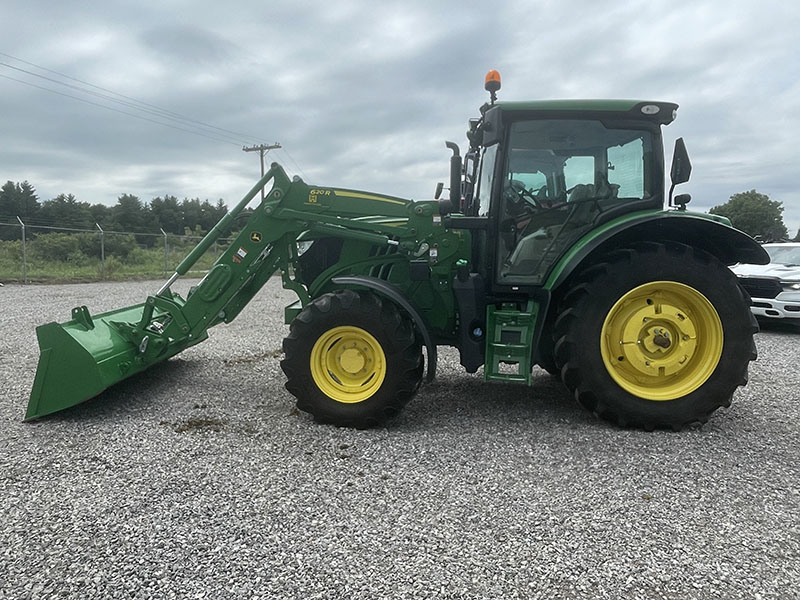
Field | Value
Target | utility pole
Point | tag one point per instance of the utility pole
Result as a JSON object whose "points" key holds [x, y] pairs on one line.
{"points": [[262, 149]]}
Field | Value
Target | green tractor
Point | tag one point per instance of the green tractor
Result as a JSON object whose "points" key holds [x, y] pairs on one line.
{"points": [[552, 248]]}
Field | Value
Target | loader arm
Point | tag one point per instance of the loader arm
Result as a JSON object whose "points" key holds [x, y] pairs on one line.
{"points": [[84, 356]]}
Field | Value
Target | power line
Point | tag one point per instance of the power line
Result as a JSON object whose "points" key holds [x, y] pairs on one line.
{"points": [[294, 162], [165, 111], [225, 136], [155, 113], [135, 116]]}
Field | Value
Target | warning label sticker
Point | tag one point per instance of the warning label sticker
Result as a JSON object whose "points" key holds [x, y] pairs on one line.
{"points": [[240, 254]]}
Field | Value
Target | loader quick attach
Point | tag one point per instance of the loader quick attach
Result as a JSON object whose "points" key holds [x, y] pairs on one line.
{"points": [[553, 248]]}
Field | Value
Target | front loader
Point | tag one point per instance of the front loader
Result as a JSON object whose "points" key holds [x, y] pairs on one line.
{"points": [[553, 248]]}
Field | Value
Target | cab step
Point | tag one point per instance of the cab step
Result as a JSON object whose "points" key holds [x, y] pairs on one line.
{"points": [[509, 343]]}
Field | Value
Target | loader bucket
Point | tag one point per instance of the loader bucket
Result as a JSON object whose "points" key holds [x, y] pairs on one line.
{"points": [[82, 357]]}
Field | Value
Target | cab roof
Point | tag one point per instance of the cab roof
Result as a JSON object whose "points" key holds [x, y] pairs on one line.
{"points": [[660, 112]]}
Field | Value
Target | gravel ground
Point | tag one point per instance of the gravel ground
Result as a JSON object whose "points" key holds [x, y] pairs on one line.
{"points": [[198, 479]]}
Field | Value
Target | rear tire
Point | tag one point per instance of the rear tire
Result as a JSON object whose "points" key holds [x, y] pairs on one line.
{"points": [[352, 359], [655, 336]]}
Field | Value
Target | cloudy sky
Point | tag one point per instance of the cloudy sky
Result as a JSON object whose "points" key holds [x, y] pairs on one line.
{"points": [[363, 94]]}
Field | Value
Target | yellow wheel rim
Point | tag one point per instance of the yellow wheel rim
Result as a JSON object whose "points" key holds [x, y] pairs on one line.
{"points": [[661, 340], [348, 364]]}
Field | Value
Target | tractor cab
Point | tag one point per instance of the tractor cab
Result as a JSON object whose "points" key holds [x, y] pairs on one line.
{"points": [[540, 175]]}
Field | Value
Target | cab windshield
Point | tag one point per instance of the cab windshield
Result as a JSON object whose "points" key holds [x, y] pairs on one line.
{"points": [[552, 157]]}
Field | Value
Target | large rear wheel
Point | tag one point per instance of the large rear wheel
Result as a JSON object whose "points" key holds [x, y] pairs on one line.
{"points": [[352, 359], [657, 335]]}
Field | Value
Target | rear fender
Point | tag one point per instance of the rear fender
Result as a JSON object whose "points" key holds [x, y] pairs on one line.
{"points": [[729, 245]]}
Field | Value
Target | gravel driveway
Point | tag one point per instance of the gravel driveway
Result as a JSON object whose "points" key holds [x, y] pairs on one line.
{"points": [[198, 479]]}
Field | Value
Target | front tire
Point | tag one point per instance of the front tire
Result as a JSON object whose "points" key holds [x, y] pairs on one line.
{"points": [[352, 359], [655, 336]]}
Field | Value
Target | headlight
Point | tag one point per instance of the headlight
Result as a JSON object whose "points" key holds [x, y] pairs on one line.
{"points": [[791, 286]]}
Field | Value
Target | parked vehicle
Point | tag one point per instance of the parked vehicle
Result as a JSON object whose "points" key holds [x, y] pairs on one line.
{"points": [[775, 287]]}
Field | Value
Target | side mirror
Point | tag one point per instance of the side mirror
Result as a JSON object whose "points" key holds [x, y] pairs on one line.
{"points": [[681, 168], [438, 192], [681, 165]]}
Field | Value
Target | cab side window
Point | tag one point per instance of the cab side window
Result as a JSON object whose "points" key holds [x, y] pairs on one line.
{"points": [[626, 168], [578, 170]]}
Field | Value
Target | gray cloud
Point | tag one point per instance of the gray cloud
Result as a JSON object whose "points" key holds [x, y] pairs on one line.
{"points": [[189, 47], [364, 94]]}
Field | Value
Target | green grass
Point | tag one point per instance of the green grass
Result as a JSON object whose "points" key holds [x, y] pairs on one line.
{"points": [[48, 262]]}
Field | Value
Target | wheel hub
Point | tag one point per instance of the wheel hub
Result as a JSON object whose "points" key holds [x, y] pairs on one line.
{"points": [[661, 339], [658, 339], [352, 360]]}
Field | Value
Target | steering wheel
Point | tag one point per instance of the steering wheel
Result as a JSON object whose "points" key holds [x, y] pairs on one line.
{"points": [[517, 194]]}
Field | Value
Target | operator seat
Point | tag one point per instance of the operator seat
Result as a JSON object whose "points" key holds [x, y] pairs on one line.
{"points": [[584, 201]]}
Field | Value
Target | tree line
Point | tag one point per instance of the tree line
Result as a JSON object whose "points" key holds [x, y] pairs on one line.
{"points": [[129, 214], [749, 211], [756, 215]]}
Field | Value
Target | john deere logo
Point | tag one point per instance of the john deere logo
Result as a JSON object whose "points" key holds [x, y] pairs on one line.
{"points": [[255, 237]]}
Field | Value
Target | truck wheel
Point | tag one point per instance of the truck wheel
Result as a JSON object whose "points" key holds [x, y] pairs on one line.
{"points": [[352, 359], [655, 336]]}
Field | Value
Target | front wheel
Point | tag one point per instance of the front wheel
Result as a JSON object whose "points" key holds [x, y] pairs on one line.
{"points": [[352, 359], [657, 335]]}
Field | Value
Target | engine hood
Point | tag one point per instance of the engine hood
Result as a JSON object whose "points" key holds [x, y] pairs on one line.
{"points": [[778, 271]]}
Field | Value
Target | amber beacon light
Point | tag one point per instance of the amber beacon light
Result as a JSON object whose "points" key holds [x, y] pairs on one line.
{"points": [[492, 83]]}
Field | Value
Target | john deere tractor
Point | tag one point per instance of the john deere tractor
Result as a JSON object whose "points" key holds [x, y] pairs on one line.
{"points": [[556, 246]]}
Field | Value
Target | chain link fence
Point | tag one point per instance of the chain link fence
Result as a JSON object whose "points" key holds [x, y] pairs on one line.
{"points": [[52, 254]]}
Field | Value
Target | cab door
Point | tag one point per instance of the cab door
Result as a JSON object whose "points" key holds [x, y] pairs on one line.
{"points": [[556, 182]]}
